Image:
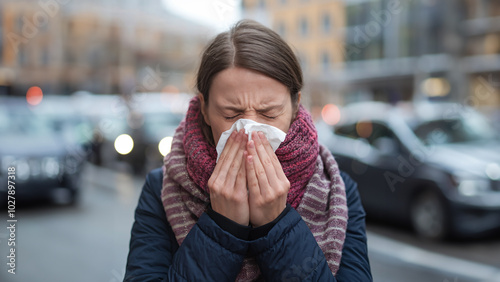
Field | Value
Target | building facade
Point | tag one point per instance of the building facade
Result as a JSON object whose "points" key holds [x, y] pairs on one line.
{"points": [[393, 50], [98, 46], [314, 29]]}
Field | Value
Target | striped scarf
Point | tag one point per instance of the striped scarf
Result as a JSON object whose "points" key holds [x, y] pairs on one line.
{"points": [[317, 191]]}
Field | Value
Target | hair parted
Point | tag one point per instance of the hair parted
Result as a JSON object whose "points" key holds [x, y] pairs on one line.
{"points": [[250, 45]]}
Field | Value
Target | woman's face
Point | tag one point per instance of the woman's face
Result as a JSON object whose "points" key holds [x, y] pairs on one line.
{"points": [[241, 93]]}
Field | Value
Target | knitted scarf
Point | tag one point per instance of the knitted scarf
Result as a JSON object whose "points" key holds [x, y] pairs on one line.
{"points": [[317, 191]]}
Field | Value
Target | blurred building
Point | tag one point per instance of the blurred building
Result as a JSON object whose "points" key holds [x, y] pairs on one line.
{"points": [[98, 46], [426, 49], [390, 50], [314, 29]]}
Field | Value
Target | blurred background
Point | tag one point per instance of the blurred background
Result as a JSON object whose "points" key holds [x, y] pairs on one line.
{"points": [[405, 93]]}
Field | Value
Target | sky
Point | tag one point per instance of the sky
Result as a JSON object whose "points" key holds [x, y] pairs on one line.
{"points": [[219, 14]]}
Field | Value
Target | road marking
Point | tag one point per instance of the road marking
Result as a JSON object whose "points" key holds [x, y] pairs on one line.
{"points": [[384, 246]]}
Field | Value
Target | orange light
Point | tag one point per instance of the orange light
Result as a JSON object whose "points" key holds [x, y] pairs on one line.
{"points": [[34, 95], [330, 114], [364, 129]]}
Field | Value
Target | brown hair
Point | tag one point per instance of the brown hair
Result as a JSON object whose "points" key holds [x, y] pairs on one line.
{"points": [[250, 45]]}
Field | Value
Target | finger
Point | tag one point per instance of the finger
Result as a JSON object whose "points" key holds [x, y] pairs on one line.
{"points": [[252, 182], [224, 153], [215, 177], [274, 159], [241, 178], [259, 171], [236, 163], [266, 160], [227, 162], [227, 147]]}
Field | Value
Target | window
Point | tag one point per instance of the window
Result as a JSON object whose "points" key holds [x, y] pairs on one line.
{"points": [[303, 61], [326, 23], [22, 56], [383, 139], [44, 57], [376, 134], [325, 61], [347, 131], [261, 4], [304, 27], [371, 131], [377, 131], [281, 29]]}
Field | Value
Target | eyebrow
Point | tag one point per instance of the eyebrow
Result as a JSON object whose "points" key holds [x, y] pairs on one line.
{"points": [[263, 110]]}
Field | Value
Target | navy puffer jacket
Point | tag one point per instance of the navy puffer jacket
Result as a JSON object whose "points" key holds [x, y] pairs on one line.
{"points": [[288, 251]]}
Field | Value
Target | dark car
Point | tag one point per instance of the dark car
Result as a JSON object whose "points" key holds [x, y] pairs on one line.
{"points": [[139, 134], [47, 164], [435, 166]]}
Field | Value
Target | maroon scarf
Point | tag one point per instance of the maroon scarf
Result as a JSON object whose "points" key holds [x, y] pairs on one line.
{"points": [[316, 188]]}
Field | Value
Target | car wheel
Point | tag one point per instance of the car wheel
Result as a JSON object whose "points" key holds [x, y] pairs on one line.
{"points": [[429, 217]]}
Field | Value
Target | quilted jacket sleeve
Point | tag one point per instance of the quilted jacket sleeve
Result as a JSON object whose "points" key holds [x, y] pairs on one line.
{"points": [[354, 265], [207, 254], [290, 253]]}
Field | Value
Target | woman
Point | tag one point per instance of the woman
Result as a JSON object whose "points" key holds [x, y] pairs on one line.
{"points": [[256, 213]]}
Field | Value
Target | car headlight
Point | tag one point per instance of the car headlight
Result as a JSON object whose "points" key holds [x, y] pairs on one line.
{"points": [[473, 187], [7, 161], [165, 145], [124, 144], [51, 167], [35, 167], [493, 171], [22, 169]]}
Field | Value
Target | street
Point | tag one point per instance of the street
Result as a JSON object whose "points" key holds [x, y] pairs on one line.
{"points": [[89, 242]]}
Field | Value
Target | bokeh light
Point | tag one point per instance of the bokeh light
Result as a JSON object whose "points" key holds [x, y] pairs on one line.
{"points": [[165, 145], [34, 95], [330, 114], [124, 144], [364, 129], [436, 86]]}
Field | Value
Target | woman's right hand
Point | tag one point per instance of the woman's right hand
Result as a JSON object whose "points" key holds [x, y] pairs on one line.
{"points": [[228, 187]]}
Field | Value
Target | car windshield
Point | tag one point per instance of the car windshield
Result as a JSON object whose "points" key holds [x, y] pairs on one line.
{"points": [[15, 121], [161, 123], [471, 128]]}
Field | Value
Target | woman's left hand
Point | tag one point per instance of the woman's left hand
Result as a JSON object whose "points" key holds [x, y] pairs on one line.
{"points": [[267, 183]]}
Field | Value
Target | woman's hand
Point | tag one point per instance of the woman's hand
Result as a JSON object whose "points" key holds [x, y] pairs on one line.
{"points": [[267, 183], [228, 187]]}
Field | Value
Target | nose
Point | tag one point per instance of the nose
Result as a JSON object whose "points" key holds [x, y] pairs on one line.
{"points": [[252, 115]]}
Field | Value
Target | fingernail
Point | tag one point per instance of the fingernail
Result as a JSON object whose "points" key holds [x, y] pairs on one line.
{"points": [[261, 135], [250, 159], [251, 144]]}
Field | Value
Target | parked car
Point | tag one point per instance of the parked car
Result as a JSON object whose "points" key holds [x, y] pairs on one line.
{"points": [[139, 132], [47, 165], [435, 166]]}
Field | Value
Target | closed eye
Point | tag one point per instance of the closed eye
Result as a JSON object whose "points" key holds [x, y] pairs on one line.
{"points": [[230, 118], [269, 117]]}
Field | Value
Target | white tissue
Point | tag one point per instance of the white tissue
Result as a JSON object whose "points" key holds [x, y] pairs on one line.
{"points": [[273, 134]]}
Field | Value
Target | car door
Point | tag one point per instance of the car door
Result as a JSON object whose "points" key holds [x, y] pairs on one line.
{"points": [[372, 164]]}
